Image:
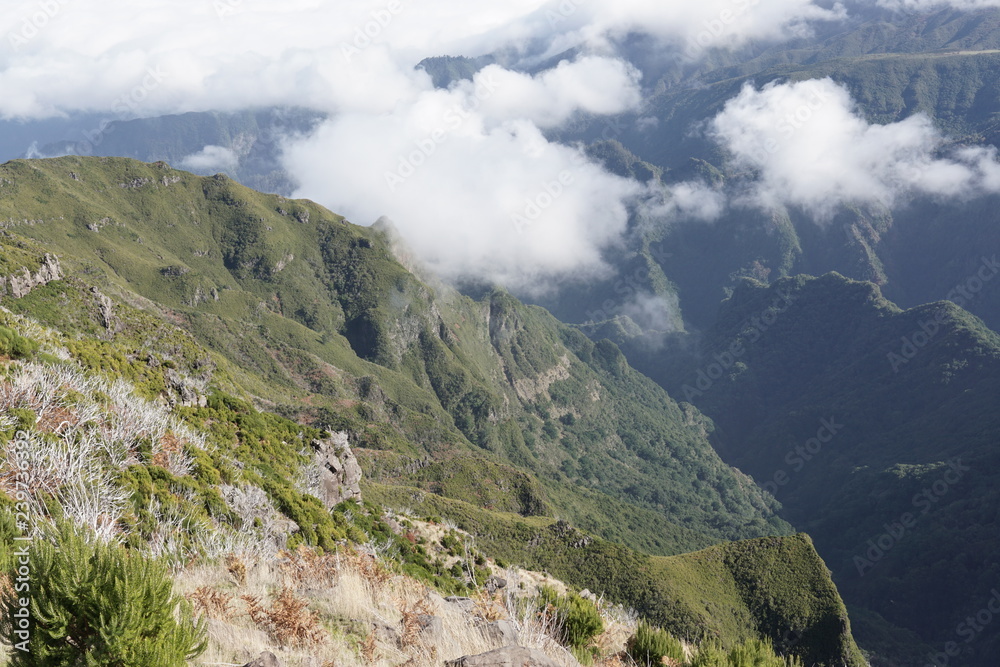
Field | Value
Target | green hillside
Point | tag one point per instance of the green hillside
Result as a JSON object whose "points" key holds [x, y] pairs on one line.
{"points": [[209, 299], [876, 428], [773, 587], [308, 309]]}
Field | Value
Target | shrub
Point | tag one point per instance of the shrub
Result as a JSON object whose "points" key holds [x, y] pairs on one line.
{"points": [[98, 604], [578, 617], [757, 653], [752, 653], [649, 646], [16, 346]]}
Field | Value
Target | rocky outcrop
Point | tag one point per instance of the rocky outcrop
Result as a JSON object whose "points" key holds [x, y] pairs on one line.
{"points": [[339, 472], [511, 656], [266, 659], [21, 284], [503, 632], [187, 390]]}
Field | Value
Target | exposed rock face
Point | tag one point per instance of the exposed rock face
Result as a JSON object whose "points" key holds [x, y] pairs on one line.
{"points": [[504, 632], [187, 391], [107, 307], [512, 656], [465, 604], [340, 474], [266, 659], [431, 627], [19, 285], [493, 584]]}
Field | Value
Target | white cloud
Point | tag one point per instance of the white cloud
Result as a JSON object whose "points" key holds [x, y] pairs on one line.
{"points": [[210, 158], [692, 200], [490, 197], [468, 179], [703, 24], [58, 56], [591, 84], [810, 147]]}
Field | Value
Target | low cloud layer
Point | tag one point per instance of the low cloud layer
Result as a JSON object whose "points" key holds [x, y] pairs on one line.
{"points": [[210, 158], [470, 182], [808, 145], [466, 173], [165, 56], [695, 25]]}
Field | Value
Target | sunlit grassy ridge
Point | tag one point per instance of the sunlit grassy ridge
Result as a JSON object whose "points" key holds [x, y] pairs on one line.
{"points": [[298, 304], [243, 324]]}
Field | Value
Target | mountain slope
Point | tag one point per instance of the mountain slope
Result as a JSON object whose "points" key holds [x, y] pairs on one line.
{"points": [[138, 243], [245, 144], [895, 65], [302, 304], [773, 587], [876, 428]]}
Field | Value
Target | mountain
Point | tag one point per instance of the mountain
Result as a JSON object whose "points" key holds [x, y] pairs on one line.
{"points": [[245, 145], [307, 304], [706, 353], [876, 428], [215, 298], [894, 65]]}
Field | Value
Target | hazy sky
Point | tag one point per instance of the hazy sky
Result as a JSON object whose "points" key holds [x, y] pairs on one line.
{"points": [[466, 174]]}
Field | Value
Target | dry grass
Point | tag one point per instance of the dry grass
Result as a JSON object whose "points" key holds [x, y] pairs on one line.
{"points": [[315, 609], [345, 609], [368, 648], [6, 588], [491, 607], [412, 624], [237, 568]]}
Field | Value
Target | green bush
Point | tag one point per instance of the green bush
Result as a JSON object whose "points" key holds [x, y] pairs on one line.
{"points": [[578, 617], [100, 605], [649, 645], [752, 653], [16, 346]]}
